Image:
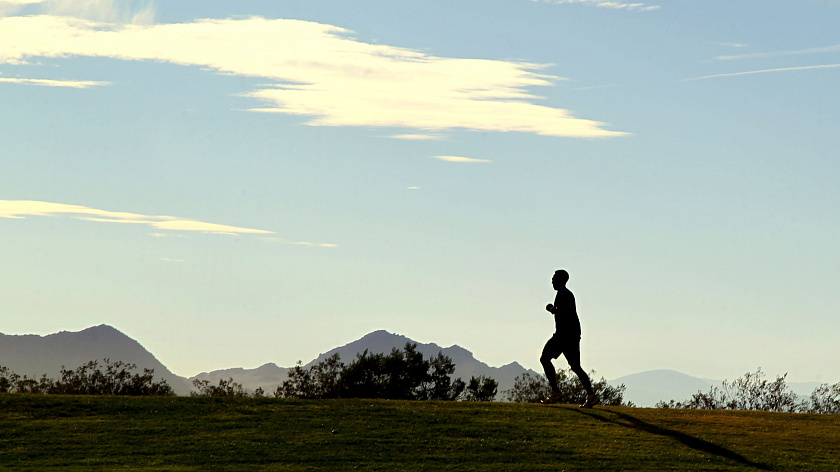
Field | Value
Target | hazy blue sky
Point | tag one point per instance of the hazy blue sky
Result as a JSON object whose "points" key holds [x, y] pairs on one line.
{"points": [[239, 182]]}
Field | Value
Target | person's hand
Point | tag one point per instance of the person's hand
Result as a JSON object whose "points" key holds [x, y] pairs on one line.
{"points": [[549, 308]]}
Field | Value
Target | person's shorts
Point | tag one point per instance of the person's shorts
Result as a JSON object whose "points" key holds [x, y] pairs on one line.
{"points": [[568, 346]]}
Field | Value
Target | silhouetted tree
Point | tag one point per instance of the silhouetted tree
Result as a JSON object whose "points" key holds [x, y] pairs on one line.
{"points": [[528, 388], [825, 399], [481, 389], [226, 388], [400, 375], [750, 392], [439, 385], [117, 378], [319, 381]]}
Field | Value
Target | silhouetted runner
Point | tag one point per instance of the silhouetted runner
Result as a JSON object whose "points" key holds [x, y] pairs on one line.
{"points": [[566, 341]]}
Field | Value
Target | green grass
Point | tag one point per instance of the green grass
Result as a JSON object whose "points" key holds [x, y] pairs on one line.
{"points": [[183, 433]]}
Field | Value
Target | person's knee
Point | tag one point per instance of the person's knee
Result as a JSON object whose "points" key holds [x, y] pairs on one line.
{"points": [[545, 360]]}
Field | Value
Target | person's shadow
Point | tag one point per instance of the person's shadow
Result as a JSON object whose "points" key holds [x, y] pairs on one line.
{"points": [[687, 440]]}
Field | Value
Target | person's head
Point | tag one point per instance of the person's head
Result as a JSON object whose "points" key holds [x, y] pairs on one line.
{"points": [[560, 278]]}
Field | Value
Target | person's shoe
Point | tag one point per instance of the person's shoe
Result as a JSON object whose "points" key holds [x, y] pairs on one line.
{"points": [[554, 397], [591, 400]]}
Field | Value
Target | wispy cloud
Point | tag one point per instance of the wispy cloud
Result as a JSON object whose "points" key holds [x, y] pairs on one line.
{"points": [[299, 243], [112, 11], [417, 137], [320, 71], [798, 52], [733, 45], [615, 5], [80, 84], [763, 71], [20, 209], [459, 159]]}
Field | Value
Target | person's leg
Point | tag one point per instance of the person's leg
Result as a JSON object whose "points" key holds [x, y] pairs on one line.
{"points": [[573, 356], [550, 373], [584, 379], [572, 353], [550, 351]]}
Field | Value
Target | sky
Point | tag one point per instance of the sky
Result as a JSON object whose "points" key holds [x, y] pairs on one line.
{"points": [[233, 183]]}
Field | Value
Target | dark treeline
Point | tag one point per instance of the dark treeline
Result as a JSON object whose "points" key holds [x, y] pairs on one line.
{"points": [[400, 375], [754, 392], [112, 378]]}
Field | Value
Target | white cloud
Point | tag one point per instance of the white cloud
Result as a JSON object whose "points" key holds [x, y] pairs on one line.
{"points": [[80, 84], [112, 11], [799, 52], [459, 159], [615, 5], [319, 71], [733, 45], [763, 71], [167, 235], [417, 137], [299, 243], [20, 209]]}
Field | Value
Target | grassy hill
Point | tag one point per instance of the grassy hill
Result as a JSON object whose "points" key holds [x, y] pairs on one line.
{"points": [[184, 433]]}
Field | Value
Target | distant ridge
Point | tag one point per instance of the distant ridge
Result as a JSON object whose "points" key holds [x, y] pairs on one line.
{"points": [[646, 389], [270, 376], [35, 355], [466, 365]]}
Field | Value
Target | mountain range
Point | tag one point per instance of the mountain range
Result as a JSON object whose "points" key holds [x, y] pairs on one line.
{"points": [[35, 355], [645, 389], [269, 376]]}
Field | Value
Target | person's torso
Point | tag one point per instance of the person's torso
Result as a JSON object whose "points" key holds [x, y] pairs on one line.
{"points": [[566, 320]]}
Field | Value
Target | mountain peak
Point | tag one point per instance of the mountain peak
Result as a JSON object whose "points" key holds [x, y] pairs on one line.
{"points": [[102, 329], [35, 355]]}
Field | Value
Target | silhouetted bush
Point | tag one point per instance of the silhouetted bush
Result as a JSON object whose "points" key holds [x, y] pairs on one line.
{"points": [[400, 375], [481, 389], [88, 379], [529, 389], [319, 381], [825, 399], [754, 392], [226, 388], [11, 382]]}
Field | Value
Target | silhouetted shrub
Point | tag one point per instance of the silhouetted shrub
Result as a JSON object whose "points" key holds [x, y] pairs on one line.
{"points": [[400, 375], [825, 399], [754, 392], [226, 388], [88, 379], [116, 379], [481, 389], [319, 381], [528, 389]]}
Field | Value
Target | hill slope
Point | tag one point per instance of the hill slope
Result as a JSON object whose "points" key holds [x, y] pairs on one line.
{"points": [[35, 355], [188, 433]]}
